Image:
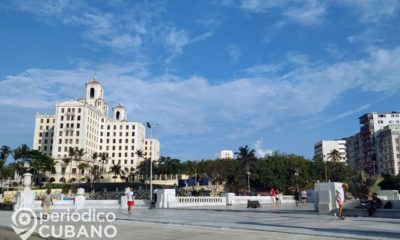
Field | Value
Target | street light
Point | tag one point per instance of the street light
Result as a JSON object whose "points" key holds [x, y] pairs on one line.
{"points": [[296, 173], [326, 172], [151, 179], [248, 181]]}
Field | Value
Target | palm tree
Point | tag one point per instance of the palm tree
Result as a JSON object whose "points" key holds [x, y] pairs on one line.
{"points": [[334, 156], [117, 170], [247, 161], [103, 158], [95, 156], [95, 171], [140, 155], [82, 166], [68, 160], [5, 151]]}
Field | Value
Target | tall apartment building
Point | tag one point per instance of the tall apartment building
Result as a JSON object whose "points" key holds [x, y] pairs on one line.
{"points": [[353, 151], [226, 154], [85, 124], [371, 123], [388, 150], [323, 148]]}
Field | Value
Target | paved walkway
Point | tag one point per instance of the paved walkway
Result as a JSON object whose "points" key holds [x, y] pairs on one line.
{"points": [[238, 223]]}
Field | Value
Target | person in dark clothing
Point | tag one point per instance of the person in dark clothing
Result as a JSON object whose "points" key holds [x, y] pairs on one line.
{"points": [[296, 196], [374, 203]]}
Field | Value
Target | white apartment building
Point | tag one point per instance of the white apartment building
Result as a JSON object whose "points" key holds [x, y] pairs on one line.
{"points": [[85, 124], [324, 147], [388, 150], [226, 154], [362, 147], [152, 149]]}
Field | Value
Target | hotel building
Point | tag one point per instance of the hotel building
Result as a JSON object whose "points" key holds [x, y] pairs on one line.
{"points": [[85, 124]]}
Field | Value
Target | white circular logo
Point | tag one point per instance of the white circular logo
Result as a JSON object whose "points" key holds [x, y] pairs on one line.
{"points": [[24, 222]]}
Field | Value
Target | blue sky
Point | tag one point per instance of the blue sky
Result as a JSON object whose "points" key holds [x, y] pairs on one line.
{"points": [[274, 75]]}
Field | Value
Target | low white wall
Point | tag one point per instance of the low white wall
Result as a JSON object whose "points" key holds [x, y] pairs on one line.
{"points": [[200, 201], [262, 199]]}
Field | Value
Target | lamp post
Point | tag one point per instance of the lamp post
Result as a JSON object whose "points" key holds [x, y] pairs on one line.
{"points": [[296, 173], [248, 182], [151, 179], [326, 172]]}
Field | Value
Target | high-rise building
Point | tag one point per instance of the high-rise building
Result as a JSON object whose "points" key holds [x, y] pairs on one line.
{"points": [[362, 145], [353, 151], [85, 124], [323, 148], [388, 150]]}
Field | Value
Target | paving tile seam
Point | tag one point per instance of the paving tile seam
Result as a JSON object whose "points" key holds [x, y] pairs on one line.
{"points": [[243, 228]]}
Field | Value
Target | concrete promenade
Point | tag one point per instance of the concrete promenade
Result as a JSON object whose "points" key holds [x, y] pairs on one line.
{"points": [[238, 222]]}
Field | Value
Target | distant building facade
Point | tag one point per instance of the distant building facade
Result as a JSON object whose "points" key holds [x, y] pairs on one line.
{"points": [[388, 150], [323, 148], [363, 145], [85, 124], [226, 154]]}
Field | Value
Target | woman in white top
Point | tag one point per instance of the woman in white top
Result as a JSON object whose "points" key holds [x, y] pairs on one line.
{"points": [[131, 202]]}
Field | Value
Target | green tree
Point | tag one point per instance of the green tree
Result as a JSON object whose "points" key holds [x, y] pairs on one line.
{"points": [[21, 157], [334, 156], [40, 164], [247, 161], [82, 167], [116, 169], [103, 159], [5, 151]]}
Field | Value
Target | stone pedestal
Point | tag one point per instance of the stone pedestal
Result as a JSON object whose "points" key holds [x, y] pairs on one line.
{"points": [[229, 198], [80, 198], [26, 197], [325, 197], [166, 198]]}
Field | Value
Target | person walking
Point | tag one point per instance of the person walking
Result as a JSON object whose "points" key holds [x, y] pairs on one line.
{"points": [[272, 193], [296, 196], [303, 196], [131, 201], [46, 204], [340, 200]]}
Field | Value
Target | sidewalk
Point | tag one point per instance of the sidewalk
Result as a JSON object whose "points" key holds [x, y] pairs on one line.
{"points": [[237, 223]]}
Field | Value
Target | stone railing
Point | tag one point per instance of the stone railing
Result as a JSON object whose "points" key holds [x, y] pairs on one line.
{"points": [[262, 199], [200, 201]]}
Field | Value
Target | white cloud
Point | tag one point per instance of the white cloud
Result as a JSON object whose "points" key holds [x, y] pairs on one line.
{"points": [[201, 37], [348, 113], [209, 22], [263, 69], [234, 52], [122, 30], [261, 5], [195, 106], [310, 13], [372, 10], [259, 152]]}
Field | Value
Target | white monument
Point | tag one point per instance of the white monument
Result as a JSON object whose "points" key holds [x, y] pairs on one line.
{"points": [[26, 197], [325, 196], [166, 198]]}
